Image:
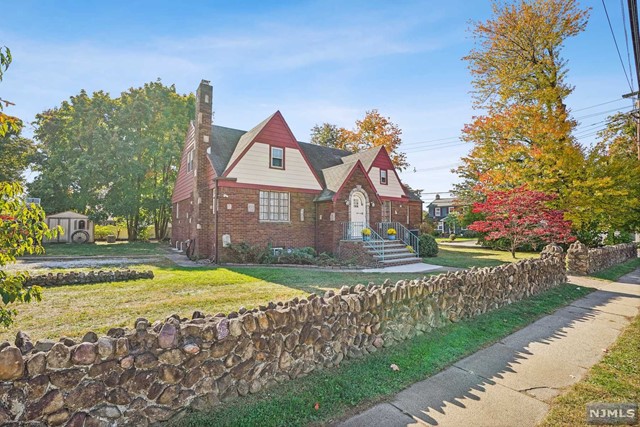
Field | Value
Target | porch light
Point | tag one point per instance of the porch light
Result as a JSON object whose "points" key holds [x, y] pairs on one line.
{"points": [[346, 202]]}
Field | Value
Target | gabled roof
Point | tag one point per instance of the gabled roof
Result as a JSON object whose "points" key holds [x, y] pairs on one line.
{"points": [[335, 176], [367, 157], [246, 139], [68, 214], [321, 157], [224, 142], [444, 202]]}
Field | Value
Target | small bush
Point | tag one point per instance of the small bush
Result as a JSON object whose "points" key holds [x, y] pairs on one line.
{"points": [[100, 232], [246, 254], [428, 246], [452, 237]]}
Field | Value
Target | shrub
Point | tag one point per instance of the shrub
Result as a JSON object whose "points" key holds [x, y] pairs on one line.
{"points": [[245, 253], [452, 237], [100, 232], [428, 246]]}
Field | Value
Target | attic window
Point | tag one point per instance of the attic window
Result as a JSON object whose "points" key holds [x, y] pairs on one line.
{"points": [[277, 158], [383, 176], [190, 161]]}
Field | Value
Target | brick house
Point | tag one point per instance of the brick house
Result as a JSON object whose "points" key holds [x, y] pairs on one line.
{"points": [[263, 187]]}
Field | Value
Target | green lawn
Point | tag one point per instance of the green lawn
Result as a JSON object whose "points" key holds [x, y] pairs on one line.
{"points": [[617, 271], [356, 384], [104, 249], [463, 257], [616, 378], [73, 310]]}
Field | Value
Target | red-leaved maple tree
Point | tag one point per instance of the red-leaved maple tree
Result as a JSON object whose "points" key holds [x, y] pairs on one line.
{"points": [[521, 216]]}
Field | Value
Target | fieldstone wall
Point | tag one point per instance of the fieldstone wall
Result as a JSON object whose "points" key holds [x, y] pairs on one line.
{"points": [[153, 372], [582, 260], [76, 278]]}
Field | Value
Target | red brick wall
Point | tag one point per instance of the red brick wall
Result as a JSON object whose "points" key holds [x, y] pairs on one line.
{"points": [[327, 232], [245, 226]]}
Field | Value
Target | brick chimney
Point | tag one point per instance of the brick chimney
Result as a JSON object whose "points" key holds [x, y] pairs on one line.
{"points": [[201, 224]]}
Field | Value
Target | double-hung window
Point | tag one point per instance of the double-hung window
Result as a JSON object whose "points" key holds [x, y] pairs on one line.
{"points": [[274, 206], [277, 158], [383, 177]]}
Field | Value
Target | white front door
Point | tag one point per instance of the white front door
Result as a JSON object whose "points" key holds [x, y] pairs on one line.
{"points": [[358, 214]]}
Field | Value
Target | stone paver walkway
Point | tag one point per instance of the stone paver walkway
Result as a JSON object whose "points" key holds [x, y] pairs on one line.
{"points": [[512, 382]]}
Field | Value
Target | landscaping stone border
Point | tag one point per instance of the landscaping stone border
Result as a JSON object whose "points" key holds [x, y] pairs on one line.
{"points": [[77, 278], [155, 371]]}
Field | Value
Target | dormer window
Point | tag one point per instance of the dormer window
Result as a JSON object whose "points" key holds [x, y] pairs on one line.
{"points": [[383, 176], [277, 157]]}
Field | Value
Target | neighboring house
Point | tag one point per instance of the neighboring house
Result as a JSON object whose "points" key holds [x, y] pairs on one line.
{"points": [[439, 209], [264, 187]]}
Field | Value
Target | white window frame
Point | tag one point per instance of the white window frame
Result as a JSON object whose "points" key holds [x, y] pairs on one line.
{"points": [[386, 211], [384, 177], [275, 206], [190, 161], [437, 212], [272, 157]]}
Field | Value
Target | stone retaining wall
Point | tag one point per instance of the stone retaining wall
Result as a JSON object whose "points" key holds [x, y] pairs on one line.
{"points": [[151, 373], [582, 260], [76, 278]]}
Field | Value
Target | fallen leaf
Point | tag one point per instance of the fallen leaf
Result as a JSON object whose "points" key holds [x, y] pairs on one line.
{"points": [[394, 367], [316, 406], [606, 350]]}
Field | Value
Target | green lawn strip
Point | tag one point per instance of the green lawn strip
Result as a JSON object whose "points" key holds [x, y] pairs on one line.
{"points": [[616, 378], [617, 271], [104, 249], [74, 310], [464, 257], [357, 384]]}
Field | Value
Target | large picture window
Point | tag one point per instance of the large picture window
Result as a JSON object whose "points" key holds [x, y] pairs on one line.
{"points": [[274, 206]]}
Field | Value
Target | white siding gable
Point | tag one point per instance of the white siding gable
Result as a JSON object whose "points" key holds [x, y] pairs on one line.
{"points": [[253, 168], [392, 189]]}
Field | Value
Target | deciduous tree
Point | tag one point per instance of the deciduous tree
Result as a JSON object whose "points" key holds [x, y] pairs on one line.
{"points": [[6, 122], [521, 217], [22, 229], [374, 130], [519, 80], [16, 152]]}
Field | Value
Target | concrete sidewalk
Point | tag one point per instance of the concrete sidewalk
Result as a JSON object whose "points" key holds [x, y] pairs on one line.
{"points": [[512, 382]]}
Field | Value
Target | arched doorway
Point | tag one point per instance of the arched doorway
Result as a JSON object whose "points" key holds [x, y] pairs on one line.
{"points": [[358, 212]]}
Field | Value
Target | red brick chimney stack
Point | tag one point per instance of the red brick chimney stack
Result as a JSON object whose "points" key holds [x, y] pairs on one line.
{"points": [[202, 196]]}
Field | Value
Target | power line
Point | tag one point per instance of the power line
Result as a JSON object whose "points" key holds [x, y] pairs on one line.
{"points": [[617, 48], [626, 40]]}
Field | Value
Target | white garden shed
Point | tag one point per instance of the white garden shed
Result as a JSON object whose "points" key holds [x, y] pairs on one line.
{"points": [[77, 228]]}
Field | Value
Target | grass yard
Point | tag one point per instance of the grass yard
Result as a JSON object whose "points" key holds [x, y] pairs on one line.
{"points": [[617, 271], [104, 249], [464, 257], [356, 384], [458, 239], [75, 309], [616, 378]]}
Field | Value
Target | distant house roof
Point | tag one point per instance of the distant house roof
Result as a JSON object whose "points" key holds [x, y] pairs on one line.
{"points": [[68, 214], [444, 202]]}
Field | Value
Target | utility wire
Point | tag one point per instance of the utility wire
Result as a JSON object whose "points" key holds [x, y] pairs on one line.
{"points": [[617, 48], [626, 40]]}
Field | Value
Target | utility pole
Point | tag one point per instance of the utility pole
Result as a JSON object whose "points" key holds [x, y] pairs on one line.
{"points": [[635, 38]]}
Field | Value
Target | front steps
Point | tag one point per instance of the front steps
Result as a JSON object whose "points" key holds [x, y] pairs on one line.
{"points": [[391, 252]]}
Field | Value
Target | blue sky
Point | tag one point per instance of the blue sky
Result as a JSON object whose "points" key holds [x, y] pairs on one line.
{"points": [[324, 61]]}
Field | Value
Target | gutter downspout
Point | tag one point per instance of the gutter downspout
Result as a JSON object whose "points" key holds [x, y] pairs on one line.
{"points": [[215, 223]]}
